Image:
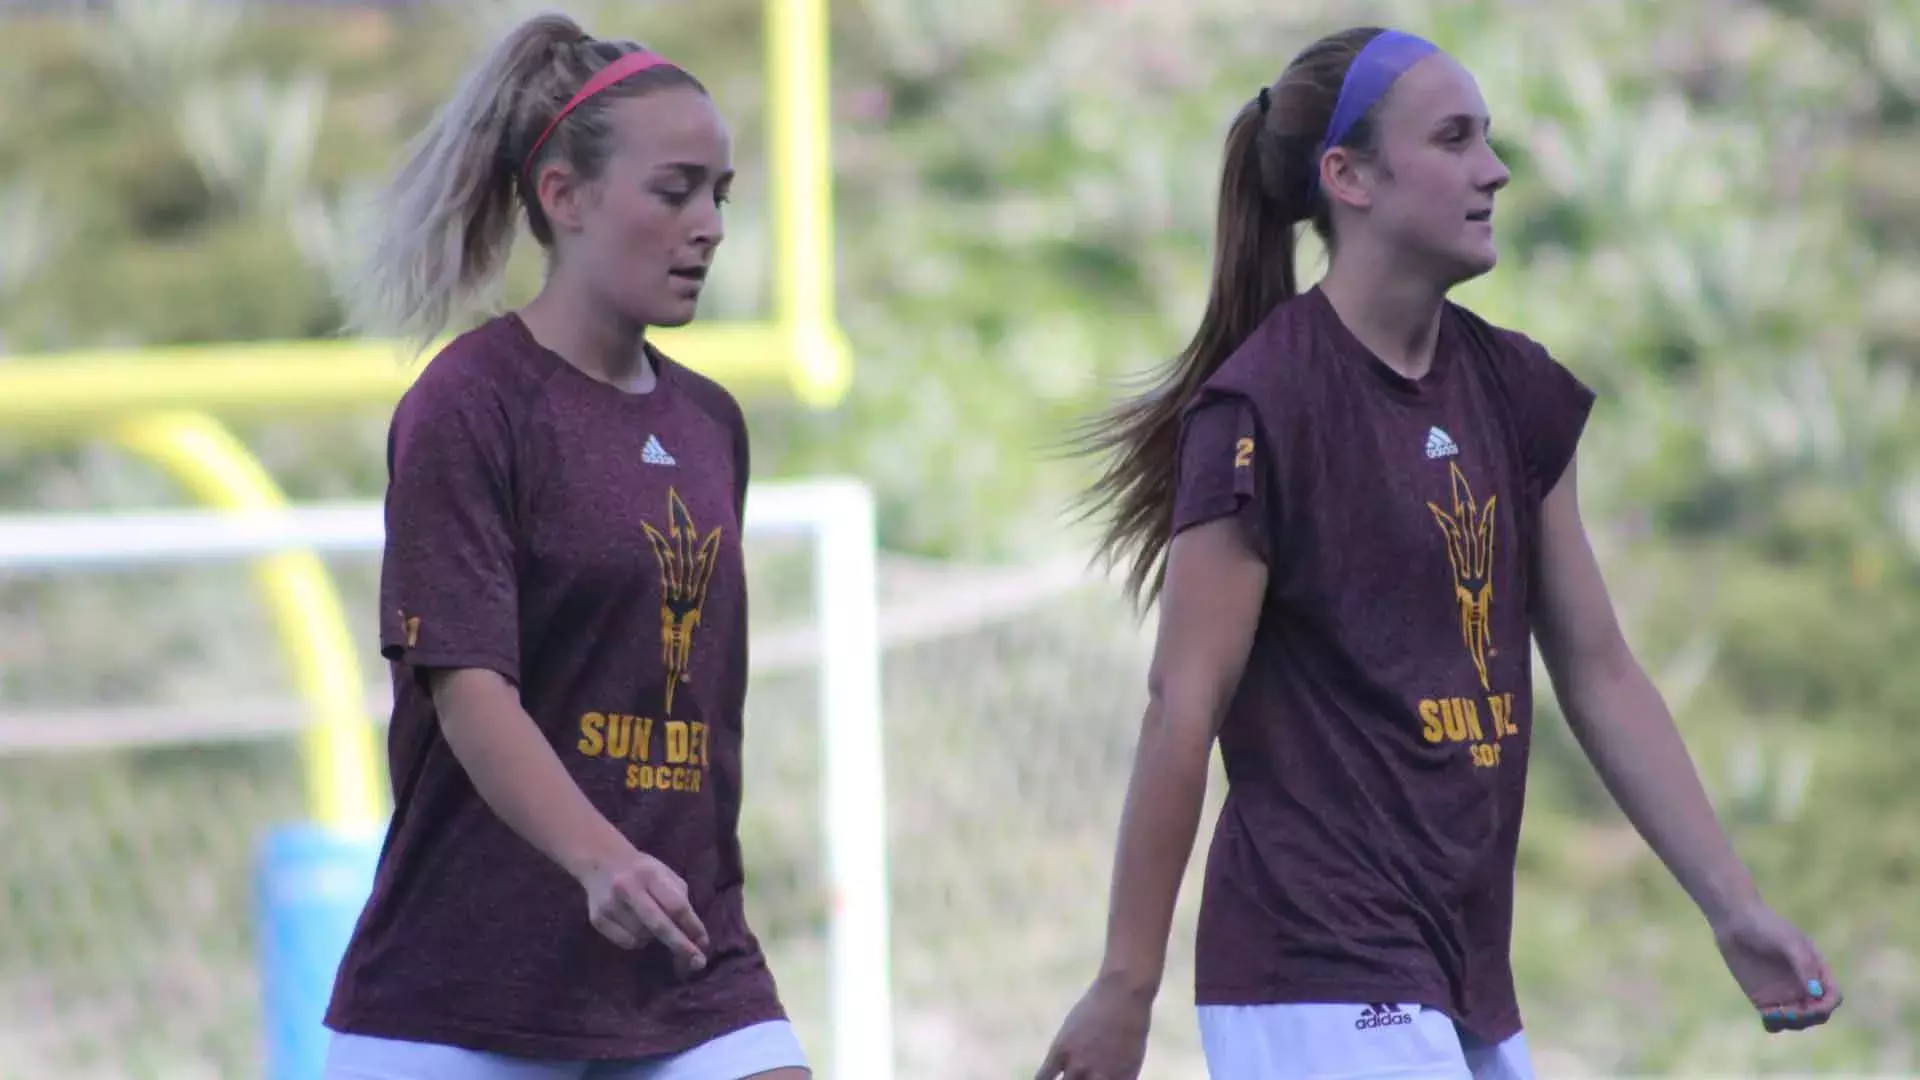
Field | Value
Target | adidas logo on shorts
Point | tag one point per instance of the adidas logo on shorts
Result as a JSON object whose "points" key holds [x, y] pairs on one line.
{"points": [[1379, 1016]]}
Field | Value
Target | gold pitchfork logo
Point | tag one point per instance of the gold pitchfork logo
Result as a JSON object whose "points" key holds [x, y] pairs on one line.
{"points": [[686, 565], [1469, 533]]}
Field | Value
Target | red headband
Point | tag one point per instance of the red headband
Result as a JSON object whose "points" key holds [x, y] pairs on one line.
{"points": [[629, 64]]}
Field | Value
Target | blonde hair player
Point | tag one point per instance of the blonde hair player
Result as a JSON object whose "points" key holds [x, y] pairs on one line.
{"points": [[1365, 499], [562, 602]]}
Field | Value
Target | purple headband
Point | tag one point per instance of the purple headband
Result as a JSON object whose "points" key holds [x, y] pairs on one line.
{"points": [[1373, 72]]}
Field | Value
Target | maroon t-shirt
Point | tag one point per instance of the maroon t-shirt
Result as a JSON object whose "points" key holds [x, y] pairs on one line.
{"points": [[1376, 748], [583, 542]]}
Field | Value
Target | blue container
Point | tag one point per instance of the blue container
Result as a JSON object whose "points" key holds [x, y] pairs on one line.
{"points": [[310, 886]]}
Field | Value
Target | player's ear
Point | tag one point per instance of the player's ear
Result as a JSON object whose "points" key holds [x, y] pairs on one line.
{"points": [[563, 196], [1343, 180]]}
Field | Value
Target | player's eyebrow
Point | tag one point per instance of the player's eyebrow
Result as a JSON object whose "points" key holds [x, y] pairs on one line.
{"points": [[1470, 121], [694, 172]]}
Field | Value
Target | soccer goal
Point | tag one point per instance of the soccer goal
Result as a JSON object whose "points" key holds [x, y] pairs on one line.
{"points": [[834, 516]]}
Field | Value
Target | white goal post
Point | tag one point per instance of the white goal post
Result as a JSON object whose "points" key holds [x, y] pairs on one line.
{"points": [[836, 514]]}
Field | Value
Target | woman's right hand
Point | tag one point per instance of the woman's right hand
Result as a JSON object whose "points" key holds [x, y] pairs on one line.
{"points": [[632, 898], [1104, 1037], [635, 899]]}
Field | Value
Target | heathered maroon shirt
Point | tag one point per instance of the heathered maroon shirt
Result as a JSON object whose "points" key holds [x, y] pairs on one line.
{"points": [[1376, 749], [584, 542]]}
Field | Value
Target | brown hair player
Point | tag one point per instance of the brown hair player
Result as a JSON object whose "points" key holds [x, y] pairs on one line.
{"points": [[1365, 497], [563, 603]]}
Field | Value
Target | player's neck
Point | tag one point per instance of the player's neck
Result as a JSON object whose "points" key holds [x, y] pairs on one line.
{"points": [[1393, 314], [588, 336]]}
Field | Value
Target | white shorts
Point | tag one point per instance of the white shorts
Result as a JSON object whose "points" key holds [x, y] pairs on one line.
{"points": [[1350, 1042], [734, 1056]]}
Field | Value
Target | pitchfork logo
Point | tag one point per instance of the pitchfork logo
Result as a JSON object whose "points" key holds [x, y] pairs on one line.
{"points": [[1469, 533], [686, 566]]}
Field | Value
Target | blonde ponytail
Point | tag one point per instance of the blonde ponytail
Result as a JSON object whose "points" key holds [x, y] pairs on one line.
{"points": [[447, 218]]}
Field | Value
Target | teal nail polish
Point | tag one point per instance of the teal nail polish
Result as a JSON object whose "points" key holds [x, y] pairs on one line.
{"points": [[1815, 989]]}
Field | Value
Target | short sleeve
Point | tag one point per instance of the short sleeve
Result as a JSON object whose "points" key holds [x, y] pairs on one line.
{"points": [[1222, 470], [448, 591], [1553, 414]]}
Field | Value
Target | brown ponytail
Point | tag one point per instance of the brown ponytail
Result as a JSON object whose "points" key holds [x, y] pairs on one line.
{"points": [[447, 218], [1268, 184]]}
